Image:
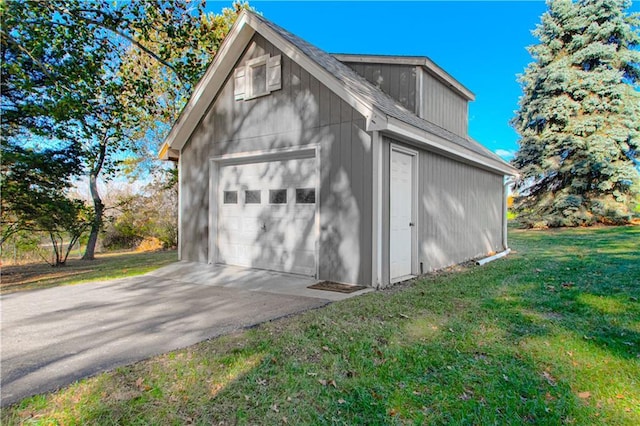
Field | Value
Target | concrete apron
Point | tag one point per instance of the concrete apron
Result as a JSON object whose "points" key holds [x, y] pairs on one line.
{"points": [[53, 337], [249, 280]]}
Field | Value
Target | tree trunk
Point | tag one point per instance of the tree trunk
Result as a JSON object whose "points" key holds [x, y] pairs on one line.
{"points": [[98, 206], [54, 247]]}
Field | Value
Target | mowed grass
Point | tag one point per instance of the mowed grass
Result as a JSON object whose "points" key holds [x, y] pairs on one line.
{"points": [[549, 335], [106, 266]]}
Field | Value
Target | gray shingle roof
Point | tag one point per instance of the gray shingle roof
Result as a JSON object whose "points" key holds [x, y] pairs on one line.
{"points": [[369, 92]]}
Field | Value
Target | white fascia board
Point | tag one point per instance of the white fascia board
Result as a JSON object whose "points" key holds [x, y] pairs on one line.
{"points": [[433, 69], [209, 85], [376, 121], [226, 57], [379, 59], [449, 149], [423, 61], [374, 118]]}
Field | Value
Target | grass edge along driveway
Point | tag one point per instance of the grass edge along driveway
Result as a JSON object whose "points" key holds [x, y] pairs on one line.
{"points": [[549, 335], [106, 266]]}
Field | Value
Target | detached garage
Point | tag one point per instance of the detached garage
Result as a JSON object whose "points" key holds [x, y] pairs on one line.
{"points": [[349, 168]]}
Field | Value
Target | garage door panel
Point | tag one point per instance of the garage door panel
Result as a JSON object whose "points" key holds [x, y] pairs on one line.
{"points": [[229, 253], [232, 223], [255, 232], [250, 226]]}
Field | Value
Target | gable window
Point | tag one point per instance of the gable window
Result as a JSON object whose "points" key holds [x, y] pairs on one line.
{"points": [[257, 77], [258, 80]]}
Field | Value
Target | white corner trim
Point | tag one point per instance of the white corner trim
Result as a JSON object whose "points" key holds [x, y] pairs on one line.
{"points": [[213, 211], [376, 222], [420, 112], [180, 204], [316, 225]]}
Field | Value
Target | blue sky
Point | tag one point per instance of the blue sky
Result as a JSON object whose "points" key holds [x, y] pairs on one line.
{"points": [[480, 43]]}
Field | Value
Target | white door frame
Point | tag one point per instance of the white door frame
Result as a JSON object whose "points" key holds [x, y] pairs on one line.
{"points": [[414, 208], [276, 154]]}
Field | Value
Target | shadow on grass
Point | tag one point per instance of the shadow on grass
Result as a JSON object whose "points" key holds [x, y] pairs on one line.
{"points": [[585, 282], [106, 266], [547, 336]]}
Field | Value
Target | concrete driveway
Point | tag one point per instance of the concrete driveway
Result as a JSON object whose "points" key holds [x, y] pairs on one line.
{"points": [[53, 337]]}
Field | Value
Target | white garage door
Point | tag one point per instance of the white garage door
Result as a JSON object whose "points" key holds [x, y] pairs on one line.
{"points": [[267, 215]]}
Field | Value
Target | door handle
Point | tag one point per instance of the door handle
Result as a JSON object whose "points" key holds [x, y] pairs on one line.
{"points": [[411, 224]]}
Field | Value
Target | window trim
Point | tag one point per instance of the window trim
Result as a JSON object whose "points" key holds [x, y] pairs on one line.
{"points": [[250, 66], [243, 77]]}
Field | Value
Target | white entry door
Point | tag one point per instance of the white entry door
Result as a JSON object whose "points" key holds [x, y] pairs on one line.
{"points": [[267, 215], [401, 214]]}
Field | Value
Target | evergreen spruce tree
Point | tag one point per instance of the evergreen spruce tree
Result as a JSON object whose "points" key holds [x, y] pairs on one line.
{"points": [[579, 117]]}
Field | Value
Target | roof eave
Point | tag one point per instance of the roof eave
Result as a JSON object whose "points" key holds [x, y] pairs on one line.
{"points": [[406, 131], [372, 116], [230, 51], [426, 63], [209, 85]]}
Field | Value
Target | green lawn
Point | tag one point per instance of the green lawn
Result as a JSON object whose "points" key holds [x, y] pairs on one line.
{"points": [[105, 267], [549, 335]]}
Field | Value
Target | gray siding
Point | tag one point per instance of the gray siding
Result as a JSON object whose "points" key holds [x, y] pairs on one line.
{"points": [[442, 106], [303, 112], [436, 103], [194, 203], [397, 81], [459, 211]]}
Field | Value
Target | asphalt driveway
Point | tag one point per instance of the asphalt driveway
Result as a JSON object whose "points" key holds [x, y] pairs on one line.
{"points": [[52, 337]]}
